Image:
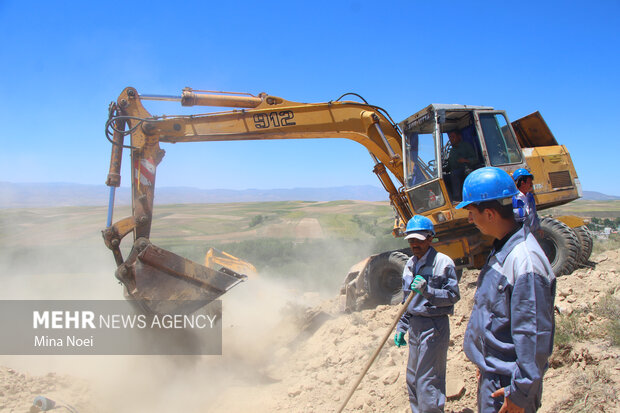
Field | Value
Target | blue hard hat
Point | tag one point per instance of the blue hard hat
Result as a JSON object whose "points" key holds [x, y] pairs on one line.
{"points": [[419, 223], [487, 184], [520, 173]]}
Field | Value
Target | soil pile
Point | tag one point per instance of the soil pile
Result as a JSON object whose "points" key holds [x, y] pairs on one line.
{"points": [[18, 391], [315, 374], [298, 366]]}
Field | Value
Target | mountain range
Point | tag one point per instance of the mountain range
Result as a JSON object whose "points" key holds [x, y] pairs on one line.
{"points": [[28, 195], [24, 195]]}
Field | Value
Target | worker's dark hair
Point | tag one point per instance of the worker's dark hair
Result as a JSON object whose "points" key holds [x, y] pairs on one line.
{"points": [[504, 211]]}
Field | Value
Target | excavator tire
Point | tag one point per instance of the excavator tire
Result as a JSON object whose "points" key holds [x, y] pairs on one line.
{"points": [[585, 239], [385, 274], [561, 246]]}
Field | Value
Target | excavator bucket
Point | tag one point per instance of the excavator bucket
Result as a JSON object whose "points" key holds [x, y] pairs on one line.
{"points": [[161, 282], [217, 260]]}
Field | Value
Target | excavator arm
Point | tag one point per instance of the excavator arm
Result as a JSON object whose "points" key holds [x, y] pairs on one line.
{"points": [[152, 275]]}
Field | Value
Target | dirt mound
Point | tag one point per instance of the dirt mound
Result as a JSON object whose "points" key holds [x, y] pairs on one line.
{"points": [[18, 390], [316, 374], [295, 366]]}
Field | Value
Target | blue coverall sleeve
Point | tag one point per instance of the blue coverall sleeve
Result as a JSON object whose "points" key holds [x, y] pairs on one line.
{"points": [[532, 328], [448, 294], [535, 224]]}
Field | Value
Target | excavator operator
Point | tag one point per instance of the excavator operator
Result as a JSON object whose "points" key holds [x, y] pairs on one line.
{"points": [[461, 158]]}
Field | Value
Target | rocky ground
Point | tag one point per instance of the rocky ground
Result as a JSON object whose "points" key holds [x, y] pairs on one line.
{"points": [[314, 372], [18, 390]]}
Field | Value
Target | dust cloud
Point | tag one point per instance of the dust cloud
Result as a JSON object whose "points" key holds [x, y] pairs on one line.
{"points": [[46, 256], [259, 317]]}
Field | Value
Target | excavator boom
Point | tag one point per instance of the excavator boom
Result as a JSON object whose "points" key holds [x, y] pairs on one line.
{"points": [[151, 274]]}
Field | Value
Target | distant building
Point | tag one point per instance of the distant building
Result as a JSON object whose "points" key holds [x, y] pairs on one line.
{"points": [[604, 234]]}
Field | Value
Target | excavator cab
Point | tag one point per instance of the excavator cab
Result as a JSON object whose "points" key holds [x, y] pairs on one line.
{"points": [[444, 143]]}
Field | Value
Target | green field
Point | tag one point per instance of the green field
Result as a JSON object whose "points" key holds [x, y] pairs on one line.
{"points": [[312, 242], [587, 209]]}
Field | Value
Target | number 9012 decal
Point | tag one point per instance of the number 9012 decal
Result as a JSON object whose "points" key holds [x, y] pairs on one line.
{"points": [[274, 119]]}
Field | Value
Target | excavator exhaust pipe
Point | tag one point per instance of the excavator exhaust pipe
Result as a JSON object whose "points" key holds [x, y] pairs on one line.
{"points": [[161, 282]]}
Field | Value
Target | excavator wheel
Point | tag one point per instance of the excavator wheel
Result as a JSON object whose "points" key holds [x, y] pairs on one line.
{"points": [[560, 244], [585, 239], [385, 274]]}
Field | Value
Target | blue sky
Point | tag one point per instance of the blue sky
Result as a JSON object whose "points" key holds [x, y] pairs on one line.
{"points": [[63, 62]]}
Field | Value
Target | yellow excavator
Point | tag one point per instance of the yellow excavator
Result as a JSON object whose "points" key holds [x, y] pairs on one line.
{"points": [[414, 153]]}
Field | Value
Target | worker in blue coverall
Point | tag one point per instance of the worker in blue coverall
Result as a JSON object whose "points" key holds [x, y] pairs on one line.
{"points": [[509, 336], [432, 276], [524, 181]]}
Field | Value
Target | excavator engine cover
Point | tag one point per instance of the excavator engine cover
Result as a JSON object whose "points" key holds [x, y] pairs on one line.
{"points": [[161, 282]]}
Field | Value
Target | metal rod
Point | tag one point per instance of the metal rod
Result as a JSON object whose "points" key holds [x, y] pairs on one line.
{"points": [[111, 206], [225, 99], [191, 98], [374, 158], [385, 141], [168, 98], [376, 353]]}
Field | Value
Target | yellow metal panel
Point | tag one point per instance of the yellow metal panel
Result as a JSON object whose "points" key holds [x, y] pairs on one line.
{"points": [[453, 249], [551, 199], [215, 259], [571, 220], [554, 175], [532, 131], [550, 150]]}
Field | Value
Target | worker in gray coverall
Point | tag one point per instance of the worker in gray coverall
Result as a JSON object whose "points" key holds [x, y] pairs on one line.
{"points": [[432, 276], [509, 336]]}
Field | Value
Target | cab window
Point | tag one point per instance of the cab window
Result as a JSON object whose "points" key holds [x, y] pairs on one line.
{"points": [[421, 167], [500, 143], [421, 164]]}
